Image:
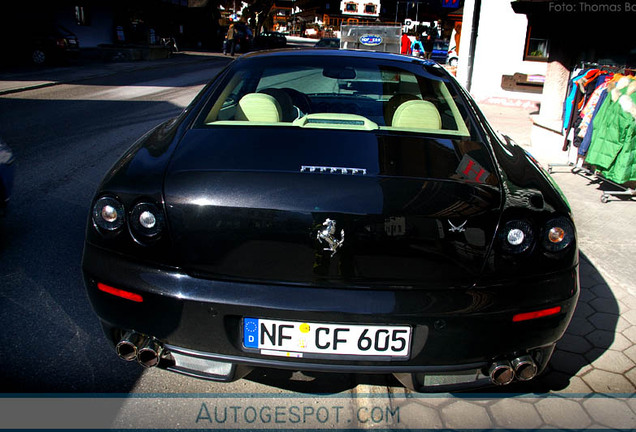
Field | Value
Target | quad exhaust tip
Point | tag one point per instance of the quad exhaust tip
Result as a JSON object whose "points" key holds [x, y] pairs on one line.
{"points": [[525, 368], [134, 346], [149, 353], [127, 346], [503, 372]]}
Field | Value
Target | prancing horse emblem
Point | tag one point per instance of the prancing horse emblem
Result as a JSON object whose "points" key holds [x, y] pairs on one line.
{"points": [[454, 228], [326, 235]]}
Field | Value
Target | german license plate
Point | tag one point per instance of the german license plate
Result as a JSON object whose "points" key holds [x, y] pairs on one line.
{"points": [[306, 339]]}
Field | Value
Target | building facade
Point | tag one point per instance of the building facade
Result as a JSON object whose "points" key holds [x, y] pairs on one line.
{"points": [[579, 35], [495, 47]]}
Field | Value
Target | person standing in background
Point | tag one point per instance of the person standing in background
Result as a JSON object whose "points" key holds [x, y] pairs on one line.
{"points": [[417, 49], [429, 45], [230, 39], [405, 44]]}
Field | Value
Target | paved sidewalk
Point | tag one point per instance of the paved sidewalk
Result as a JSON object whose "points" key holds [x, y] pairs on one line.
{"points": [[596, 357]]}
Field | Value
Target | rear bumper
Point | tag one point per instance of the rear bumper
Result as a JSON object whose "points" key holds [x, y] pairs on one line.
{"points": [[422, 378], [458, 329]]}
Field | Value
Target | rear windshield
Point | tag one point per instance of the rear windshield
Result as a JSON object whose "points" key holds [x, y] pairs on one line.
{"points": [[338, 93]]}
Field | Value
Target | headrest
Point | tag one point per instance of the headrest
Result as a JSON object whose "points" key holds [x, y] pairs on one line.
{"points": [[258, 107], [393, 103], [417, 114], [288, 112]]}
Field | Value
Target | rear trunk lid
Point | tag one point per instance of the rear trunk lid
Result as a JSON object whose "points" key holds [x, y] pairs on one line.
{"points": [[331, 208]]}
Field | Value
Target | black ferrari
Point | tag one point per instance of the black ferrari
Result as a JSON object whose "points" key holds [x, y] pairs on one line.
{"points": [[337, 211]]}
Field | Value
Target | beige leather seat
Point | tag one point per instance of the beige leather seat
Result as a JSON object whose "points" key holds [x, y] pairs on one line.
{"points": [[258, 107], [393, 104], [417, 114], [288, 112]]}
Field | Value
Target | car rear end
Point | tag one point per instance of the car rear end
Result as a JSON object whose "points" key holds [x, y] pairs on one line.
{"points": [[67, 42], [329, 242]]}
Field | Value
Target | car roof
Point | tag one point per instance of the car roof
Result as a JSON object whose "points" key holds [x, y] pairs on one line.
{"points": [[362, 54]]}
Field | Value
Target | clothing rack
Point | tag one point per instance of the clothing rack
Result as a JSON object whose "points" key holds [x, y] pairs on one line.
{"points": [[624, 69], [596, 176], [578, 168]]}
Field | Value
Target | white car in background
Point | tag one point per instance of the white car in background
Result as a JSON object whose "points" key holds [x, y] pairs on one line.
{"points": [[452, 56]]}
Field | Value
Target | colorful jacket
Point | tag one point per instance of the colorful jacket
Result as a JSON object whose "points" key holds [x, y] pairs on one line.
{"points": [[417, 46], [590, 106], [613, 147]]}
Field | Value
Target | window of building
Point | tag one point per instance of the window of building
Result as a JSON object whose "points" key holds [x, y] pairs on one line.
{"points": [[537, 44], [370, 8], [351, 7]]}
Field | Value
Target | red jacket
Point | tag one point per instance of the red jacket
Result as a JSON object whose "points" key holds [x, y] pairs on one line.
{"points": [[406, 44]]}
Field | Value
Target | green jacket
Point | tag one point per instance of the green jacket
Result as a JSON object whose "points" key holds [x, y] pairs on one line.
{"points": [[613, 146]]}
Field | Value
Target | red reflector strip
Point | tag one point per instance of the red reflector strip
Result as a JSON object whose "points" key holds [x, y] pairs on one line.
{"points": [[537, 314], [119, 293]]}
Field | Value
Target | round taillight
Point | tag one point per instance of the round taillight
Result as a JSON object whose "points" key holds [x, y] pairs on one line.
{"points": [[108, 214], [146, 221], [517, 236], [558, 234]]}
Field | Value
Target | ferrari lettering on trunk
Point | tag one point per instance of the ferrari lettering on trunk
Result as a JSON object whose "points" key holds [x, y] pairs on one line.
{"points": [[293, 339]]}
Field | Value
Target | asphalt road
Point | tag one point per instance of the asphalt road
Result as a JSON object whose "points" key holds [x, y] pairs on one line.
{"points": [[65, 138]]}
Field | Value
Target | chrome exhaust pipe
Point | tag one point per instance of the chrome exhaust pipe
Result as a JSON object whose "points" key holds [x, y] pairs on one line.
{"points": [[127, 347], [149, 353], [525, 368], [501, 373]]}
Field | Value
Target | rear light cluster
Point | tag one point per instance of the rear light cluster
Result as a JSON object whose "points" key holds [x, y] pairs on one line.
{"points": [[145, 220], [518, 236], [108, 214]]}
